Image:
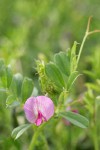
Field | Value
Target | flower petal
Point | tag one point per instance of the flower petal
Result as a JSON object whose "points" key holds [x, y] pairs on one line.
{"points": [[30, 108], [45, 106]]}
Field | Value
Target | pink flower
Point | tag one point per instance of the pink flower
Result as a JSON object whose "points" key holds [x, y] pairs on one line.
{"points": [[38, 109]]}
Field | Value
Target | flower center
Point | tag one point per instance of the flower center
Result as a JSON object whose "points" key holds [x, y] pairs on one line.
{"points": [[40, 118]]}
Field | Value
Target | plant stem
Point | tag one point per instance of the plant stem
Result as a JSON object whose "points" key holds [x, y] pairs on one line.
{"points": [[84, 38], [35, 136], [69, 137], [81, 47], [95, 139], [95, 134], [14, 117]]}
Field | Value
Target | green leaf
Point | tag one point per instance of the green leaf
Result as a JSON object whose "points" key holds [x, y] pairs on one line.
{"points": [[17, 132], [98, 101], [3, 96], [72, 79], [62, 61], [93, 86], [73, 60], [3, 76], [27, 88], [9, 75], [75, 119], [16, 84], [11, 101], [88, 104], [73, 50], [90, 74], [54, 74], [2, 64]]}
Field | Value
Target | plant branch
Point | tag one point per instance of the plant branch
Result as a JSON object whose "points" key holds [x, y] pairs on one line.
{"points": [[95, 31], [87, 33], [88, 24]]}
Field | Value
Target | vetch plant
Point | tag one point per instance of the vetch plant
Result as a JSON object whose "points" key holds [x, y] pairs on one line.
{"points": [[56, 79]]}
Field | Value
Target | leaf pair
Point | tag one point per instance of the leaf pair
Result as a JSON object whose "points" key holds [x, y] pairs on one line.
{"points": [[20, 90], [62, 71], [16, 88]]}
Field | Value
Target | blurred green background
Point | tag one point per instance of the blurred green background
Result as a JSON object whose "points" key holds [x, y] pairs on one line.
{"points": [[32, 29]]}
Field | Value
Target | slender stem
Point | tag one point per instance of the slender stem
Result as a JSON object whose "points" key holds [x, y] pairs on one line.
{"points": [[85, 36], [32, 144], [95, 136], [73, 102], [95, 139], [14, 117], [69, 138], [84, 39], [81, 47], [35, 136], [88, 24], [95, 31], [45, 142], [96, 143]]}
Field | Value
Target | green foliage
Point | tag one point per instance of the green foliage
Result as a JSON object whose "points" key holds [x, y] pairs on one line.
{"points": [[94, 71], [15, 87], [62, 72], [62, 61], [27, 89], [55, 75], [11, 101], [73, 59], [30, 30], [9, 75], [3, 78], [47, 86], [75, 119], [74, 75], [17, 132]]}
